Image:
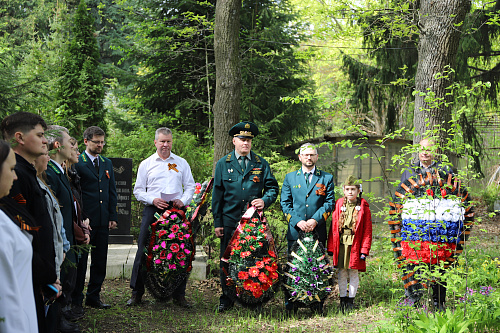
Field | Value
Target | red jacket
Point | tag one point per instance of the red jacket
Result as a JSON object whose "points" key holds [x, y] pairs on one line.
{"points": [[362, 237]]}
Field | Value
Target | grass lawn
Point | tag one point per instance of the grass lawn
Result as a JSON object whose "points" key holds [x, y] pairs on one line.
{"points": [[379, 290]]}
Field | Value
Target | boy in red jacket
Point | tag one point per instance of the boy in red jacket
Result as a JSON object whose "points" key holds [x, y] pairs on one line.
{"points": [[350, 239]]}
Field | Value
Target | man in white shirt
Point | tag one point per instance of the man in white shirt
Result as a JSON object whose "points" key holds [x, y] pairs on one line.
{"points": [[162, 176]]}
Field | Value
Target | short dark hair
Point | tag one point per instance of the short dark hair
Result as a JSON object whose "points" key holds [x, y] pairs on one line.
{"points": [[4, 151], [20, 122], [92, 131]]}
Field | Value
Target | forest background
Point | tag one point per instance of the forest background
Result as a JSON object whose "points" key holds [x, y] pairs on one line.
{"points": [[302, 69]]}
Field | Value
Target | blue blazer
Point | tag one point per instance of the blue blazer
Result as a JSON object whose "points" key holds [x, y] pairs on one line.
{"points": [[59, 184], [301, 202], [98, 190]]}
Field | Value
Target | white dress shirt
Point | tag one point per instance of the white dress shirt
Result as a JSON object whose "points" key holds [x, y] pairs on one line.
{"points": [[154, 177], [17, 302], [311, 173]]}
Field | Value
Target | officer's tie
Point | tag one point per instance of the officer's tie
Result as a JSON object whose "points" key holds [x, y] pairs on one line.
{"points": [[307, 177], [242, 163], [96, 164]]}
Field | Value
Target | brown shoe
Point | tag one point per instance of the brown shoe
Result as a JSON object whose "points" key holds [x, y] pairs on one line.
{"points": [[134, 300], [181, 301]]}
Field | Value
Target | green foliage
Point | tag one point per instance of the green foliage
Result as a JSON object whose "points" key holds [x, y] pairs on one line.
{"points": [[80, 91], [489, 195]]}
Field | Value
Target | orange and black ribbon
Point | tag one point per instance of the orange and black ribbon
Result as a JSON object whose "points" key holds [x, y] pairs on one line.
{"points": [[172, 167]]}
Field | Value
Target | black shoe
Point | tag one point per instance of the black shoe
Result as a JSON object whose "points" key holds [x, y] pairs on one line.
{"points": [[343, 304], [65, 326], [182, 302], [72, 315], [224, 307], [134, 300], [97, 304], [78, 310]]}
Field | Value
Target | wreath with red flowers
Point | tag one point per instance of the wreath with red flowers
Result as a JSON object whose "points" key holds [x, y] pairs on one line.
{"points": [[430, 239], [253, 275]]}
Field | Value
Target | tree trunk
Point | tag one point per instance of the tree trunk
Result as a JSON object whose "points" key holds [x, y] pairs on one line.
{"points": [[440, 29], [228, 74]]}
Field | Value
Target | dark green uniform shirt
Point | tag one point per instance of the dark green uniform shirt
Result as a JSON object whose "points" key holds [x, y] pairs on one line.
{"points": [[233, 189]]}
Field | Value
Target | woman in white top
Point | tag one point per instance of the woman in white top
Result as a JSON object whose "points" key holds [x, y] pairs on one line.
{"points": [[17, 301]]}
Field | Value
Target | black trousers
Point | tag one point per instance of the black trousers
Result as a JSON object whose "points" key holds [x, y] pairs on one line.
{"points": [[99, 254], [137, 278], [224, 242]]}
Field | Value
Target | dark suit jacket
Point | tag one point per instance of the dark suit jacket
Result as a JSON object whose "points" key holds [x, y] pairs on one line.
{"points": [[33, 210], [98, 190], [59, 183], [301, 202]]}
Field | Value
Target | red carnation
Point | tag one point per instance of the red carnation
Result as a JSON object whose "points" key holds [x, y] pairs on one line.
{"points": [[429, 192], [243, 275], [266, 260], [263, 277], [273, 275], [259, 264], [181, 256], [247, 285], [443, 192], [162, 233], [174, 247], [174, 228], [253, 271], [257, 293]]}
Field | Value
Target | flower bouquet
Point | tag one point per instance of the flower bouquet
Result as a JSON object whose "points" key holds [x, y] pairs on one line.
{"points": [[431, 218], [252, 277], [170, 253], [308, 271], [198, 206]]}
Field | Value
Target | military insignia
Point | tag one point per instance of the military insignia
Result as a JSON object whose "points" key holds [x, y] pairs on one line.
{"points": [[296, 186], [258, 172], [257, 169], [107, 174], [256, 179], [230, 170], [321, 190]]}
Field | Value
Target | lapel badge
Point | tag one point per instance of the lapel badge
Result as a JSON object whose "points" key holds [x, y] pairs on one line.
{"points": [[229, 170], [107, 174]]}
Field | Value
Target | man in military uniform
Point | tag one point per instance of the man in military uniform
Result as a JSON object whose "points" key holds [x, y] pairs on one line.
{"points": [[307, 200], [241, 178], [99, 199]]}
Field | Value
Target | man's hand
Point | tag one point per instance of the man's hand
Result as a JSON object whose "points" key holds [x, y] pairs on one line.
{"points": [[113, 225], [58, 286], [258, 203], [86, 223], [219, 232], [178, 203], [302, 225], [87, 239], [311, 224], [160, 203]]}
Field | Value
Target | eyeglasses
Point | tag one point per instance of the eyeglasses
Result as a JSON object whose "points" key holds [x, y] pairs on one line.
{"points": [[98, 142]]}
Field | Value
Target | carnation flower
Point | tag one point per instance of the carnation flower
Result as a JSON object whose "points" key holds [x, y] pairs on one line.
{"points": [[182, 263], [156, 247], [181, 255], [187, 236], [162, 233], [174, 228], [187, 251], [164, 244], [253, 271], [171, 235], [263, 277], [157, 261], [259, 264], [247, 285], [169, 255], [173, 216], [172, 266], [242, 275], [180, 236]]}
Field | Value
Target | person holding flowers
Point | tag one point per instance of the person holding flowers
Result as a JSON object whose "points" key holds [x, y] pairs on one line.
{"points": [[350, 239], [307, 200], [161, 178], [241, 178]]}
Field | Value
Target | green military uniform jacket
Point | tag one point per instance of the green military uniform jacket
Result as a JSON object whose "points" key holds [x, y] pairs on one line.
{"points": [[302, 202], [98, 190], [234, 188]]}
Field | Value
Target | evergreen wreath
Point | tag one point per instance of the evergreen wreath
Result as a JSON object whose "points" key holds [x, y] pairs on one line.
{"points": [[308, 271]]}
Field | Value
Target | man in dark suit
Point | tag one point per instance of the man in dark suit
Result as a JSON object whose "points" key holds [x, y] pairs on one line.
{"points": [[26, 133], [60, 150], [99, 199], [307, 200], [241, 177]]}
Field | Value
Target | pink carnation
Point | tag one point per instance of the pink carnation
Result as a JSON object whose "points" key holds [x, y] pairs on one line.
{"points": [[157, 261], [169, 255], [187, 236], [187, 251], [156, 247], [171, 236], [173, 216], [172, 266], [182, 245], [182, 263], [164, 245]]}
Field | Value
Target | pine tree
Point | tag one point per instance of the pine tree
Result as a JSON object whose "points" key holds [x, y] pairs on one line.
{"points": [[81, 92]]}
